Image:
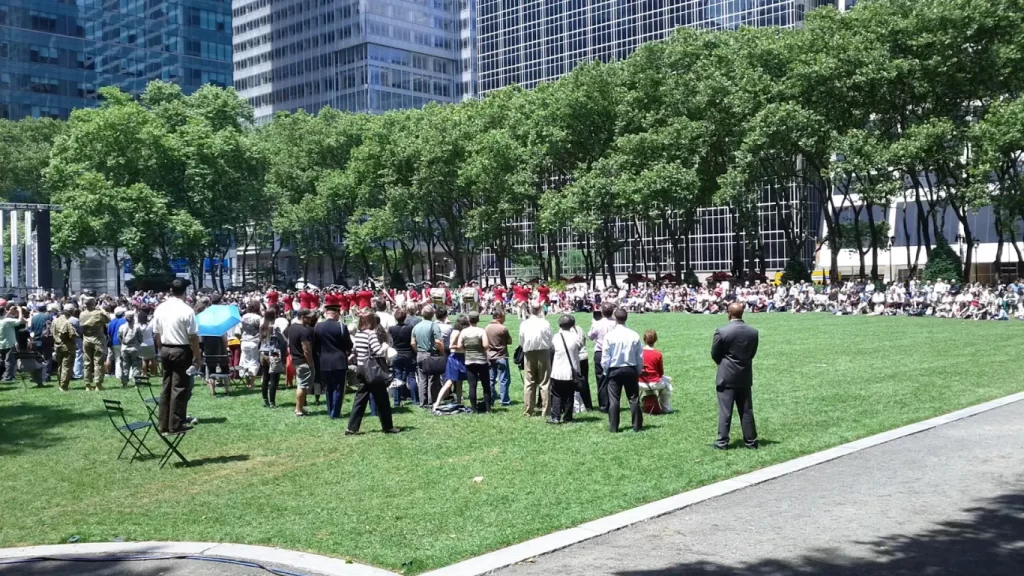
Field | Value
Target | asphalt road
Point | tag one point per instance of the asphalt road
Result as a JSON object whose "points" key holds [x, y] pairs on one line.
{"points": [[138, 568], [949, 501]]}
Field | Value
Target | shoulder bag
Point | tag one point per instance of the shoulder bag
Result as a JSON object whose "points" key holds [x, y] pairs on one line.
{"points": [[577, 379], [374, 371], [434, 365]]}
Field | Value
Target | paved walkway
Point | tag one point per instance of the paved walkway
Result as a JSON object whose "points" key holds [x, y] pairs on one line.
{"points": [[946, 501]]}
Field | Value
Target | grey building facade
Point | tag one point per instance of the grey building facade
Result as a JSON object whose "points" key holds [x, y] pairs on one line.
{"points": [[527, 42], [56, 54], [352, 55]]}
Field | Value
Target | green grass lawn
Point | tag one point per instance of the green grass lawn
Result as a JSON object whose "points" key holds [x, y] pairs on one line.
{"points": [[408, 502]]}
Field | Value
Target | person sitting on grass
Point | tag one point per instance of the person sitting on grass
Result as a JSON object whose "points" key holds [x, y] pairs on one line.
{"points": [[652, 376], [455, 371]]}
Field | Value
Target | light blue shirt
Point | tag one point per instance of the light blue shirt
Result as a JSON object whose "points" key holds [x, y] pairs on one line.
{"points": [[622, 348]]}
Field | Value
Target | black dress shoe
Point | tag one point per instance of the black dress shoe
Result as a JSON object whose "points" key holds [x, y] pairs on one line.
{"points": [[392, 430], [717, 447], [352, 432], [753, 446]]}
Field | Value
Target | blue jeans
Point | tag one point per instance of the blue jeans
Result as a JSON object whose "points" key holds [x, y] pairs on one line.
{"points": [[500, 375], [334, 384], [405, 370]]}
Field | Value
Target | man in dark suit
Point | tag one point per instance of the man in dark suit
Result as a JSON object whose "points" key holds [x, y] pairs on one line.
{"points": [[733, 349], [332, 345]]}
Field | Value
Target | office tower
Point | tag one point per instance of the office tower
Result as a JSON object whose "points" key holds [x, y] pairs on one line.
{"points": [[526, 42], [355, 55], [56, 54]]}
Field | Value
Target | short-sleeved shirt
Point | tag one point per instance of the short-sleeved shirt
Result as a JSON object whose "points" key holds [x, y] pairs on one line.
{"points": [[297, 334], [499, 339], [8, 333], [174, 321], [425, 334]]}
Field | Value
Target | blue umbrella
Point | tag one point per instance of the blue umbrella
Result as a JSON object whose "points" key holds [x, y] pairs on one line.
{"points": [[217, 320]]}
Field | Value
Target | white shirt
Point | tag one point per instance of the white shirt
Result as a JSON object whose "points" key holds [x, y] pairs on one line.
{"points": [[622, 348], [598, 330], [563, 367], [535, 334], [386, 320], [174, 321]]}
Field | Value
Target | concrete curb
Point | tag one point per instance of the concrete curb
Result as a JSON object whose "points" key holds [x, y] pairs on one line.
{"points": [[498, 559], [257, 554]]}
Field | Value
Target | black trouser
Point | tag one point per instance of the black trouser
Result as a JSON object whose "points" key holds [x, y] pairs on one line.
{"points": [[269, 387], [619, 379], [479, 373], [743, 400], [362, 398], [562, 395], [602, 384], [174, 360], [583, 384]]}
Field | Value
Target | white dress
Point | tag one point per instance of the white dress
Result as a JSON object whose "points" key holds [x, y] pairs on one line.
{"points": [[249, 363]]}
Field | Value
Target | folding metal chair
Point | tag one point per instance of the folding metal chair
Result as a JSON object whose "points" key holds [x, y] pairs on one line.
{"points": [[219, 372], [150, 400], [128, 430], [170, 440]]}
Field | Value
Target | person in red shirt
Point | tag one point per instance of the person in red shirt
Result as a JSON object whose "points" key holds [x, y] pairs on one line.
{"points": [[307, 300], [287, 300], [363, 298], [345, 301], [542, 292], [499, 294], [412, 295], [652, 376], [272, 297]]}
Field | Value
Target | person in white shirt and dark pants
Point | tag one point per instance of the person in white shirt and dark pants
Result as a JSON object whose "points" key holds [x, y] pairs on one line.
{"points": [[598, 330], [622, 359], [535, 338], [177, 337], [564, 370]]}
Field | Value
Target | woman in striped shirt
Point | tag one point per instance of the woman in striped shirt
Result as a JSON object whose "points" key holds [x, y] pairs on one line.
{"points": [[368, 349]]}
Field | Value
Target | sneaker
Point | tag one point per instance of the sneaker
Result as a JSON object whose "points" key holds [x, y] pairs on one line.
{"points": [[300, 414], [273, 405], [388, 431], [352, 432], [266, 405]]}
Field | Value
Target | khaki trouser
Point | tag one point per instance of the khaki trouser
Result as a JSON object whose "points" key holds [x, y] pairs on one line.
{"points": [[65, 361], [536, 378], [93, 356], [129, 365]]}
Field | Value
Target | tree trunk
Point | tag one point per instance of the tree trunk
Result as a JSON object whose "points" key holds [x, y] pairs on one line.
{"points": [[673, 236], [874, 240], [117, 270]]}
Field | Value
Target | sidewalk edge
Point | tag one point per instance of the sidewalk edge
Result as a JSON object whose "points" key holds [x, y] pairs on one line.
{"points": [[546, 544]]}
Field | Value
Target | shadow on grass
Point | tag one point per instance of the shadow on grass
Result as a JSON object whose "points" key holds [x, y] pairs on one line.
{"points": [[26, 426], [989, 542], [214, 420], [214, 460]]}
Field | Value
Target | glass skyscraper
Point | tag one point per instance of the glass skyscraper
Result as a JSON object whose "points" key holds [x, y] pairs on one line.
{"points": [[526, 42], [355, 55], [56, 54]]}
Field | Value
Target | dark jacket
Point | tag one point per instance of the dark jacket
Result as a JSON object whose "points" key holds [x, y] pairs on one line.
{"points": [[331, 345], [733, 349]]}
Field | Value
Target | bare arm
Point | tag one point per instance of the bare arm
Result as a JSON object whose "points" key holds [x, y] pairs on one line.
{"points": [[197, 355]]}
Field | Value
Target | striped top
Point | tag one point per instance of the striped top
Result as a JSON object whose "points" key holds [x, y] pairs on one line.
{"points": [[366, 344]]}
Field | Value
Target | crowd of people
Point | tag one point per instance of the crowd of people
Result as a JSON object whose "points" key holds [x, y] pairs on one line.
{"points": [[426, 345]]}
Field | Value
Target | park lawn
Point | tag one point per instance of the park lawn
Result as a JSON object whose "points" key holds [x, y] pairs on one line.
{"points": [[409, 502]]}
